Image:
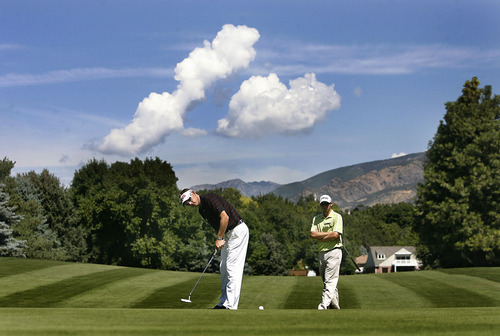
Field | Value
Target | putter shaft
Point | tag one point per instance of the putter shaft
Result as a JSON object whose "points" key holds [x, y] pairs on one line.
{"points": [[213, 255]]}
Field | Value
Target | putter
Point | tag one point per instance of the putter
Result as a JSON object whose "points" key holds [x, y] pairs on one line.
{"points": [[188, 300], [352, 259]]}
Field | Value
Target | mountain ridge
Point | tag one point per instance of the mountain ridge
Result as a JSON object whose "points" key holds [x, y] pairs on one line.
{"points": [[246, 188], [392, 180]]}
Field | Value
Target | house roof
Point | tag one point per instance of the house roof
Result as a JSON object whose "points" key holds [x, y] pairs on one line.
{"points": [[361, 260], [388, 251], [403, 251]]}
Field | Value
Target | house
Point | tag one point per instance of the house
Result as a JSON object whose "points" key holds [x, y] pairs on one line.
{"points": [[387, 259], [361, 262]]}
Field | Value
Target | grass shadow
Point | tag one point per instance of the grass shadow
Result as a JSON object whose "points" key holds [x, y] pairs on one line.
{"points": [[488, 273], [205, 295], [347, 295], [303, 295], [51, 295], [441, 294], [15, 266]]}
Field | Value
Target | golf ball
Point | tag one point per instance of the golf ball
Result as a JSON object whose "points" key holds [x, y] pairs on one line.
{"points": [[261, 308]]}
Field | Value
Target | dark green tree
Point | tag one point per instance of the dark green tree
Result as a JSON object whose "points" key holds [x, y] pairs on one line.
{"points": [[41, 241], [459, 201], [45, 216], [60, 215], [192, 238], [286, 228], [381, 224], [9, 245], [267, 257], [5, 168], [127, 209]]}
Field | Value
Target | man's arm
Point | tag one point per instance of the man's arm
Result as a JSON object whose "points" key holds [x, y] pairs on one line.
{"points": [[325, 236], [224, 221]]}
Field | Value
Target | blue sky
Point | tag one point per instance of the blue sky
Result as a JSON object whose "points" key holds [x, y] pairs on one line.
{"points": [[258, 90]]}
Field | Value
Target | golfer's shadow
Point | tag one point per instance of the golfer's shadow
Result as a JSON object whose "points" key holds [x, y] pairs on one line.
{"points": [[206, 295]]}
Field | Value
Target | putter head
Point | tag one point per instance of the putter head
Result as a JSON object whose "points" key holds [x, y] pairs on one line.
{"points": [[186, 300]]}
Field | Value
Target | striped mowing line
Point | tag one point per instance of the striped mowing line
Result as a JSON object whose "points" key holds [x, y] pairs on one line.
{"points": [[488, 273], [441, 293], [51, 295], [205, 295], [378, 292], [272, 295], [349, 293], [305, 294], [12, 266], [45, 276], [128, 291], [483, 292]]}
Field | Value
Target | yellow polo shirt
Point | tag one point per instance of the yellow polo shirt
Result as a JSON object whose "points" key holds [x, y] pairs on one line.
{"points": [[331, 223]]}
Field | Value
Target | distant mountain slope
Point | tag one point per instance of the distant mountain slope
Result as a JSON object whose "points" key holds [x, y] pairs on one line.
{"points": [[384, 181], [246, 188]]}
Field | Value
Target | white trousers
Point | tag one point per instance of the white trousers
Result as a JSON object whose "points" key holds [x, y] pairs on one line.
{"points": [[232, 263], [329, 268]]}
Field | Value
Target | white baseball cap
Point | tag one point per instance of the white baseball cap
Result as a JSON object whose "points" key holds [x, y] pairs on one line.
{"points": [[186, 196], [325, 198]]}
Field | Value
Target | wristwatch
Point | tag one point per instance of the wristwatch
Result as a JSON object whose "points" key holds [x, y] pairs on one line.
{"points": [[220, 238]]}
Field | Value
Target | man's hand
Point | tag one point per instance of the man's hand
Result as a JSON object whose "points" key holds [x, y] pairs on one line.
{"points": [[224, 221], [219, 244]]}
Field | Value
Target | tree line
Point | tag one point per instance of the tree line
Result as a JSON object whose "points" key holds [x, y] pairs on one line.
{"points": [[128, 213]]}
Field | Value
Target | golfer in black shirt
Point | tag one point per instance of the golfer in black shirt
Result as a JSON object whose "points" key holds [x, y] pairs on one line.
{"points": [[232, 241]]}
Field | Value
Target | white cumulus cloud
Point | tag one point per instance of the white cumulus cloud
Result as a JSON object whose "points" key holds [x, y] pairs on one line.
{"points": [[264, 105], [159, 115]]}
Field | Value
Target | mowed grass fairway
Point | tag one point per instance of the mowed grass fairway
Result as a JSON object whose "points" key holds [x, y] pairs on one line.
{"points": [[40, 297]]}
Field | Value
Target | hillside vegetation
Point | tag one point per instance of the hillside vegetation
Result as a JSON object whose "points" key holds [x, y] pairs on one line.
{"points": [[376, 182]]}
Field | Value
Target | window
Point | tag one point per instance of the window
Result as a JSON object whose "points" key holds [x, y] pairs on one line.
{"points": [[403, 259], [380, 256]]}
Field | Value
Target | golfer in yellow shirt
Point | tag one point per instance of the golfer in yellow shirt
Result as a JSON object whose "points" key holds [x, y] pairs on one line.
{"points": [[327, 230]]}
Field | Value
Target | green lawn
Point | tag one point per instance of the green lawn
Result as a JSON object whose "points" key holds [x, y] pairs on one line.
{"points": [[55, 298]]}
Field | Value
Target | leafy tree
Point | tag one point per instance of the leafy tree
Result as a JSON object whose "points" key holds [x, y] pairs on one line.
{"points": [[267, 256], [88, 178], [382, 224], [458, 204], [286, 227], [193, 240], [59, 215], [41, 241], [45, 219], [5, 167], [127, 209], [9, 246]]}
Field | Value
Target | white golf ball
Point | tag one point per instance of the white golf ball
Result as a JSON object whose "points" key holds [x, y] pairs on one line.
{"points": [[261, 308]]}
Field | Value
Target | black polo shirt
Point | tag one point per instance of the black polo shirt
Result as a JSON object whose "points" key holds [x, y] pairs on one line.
{"points": [[211, 207]]}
